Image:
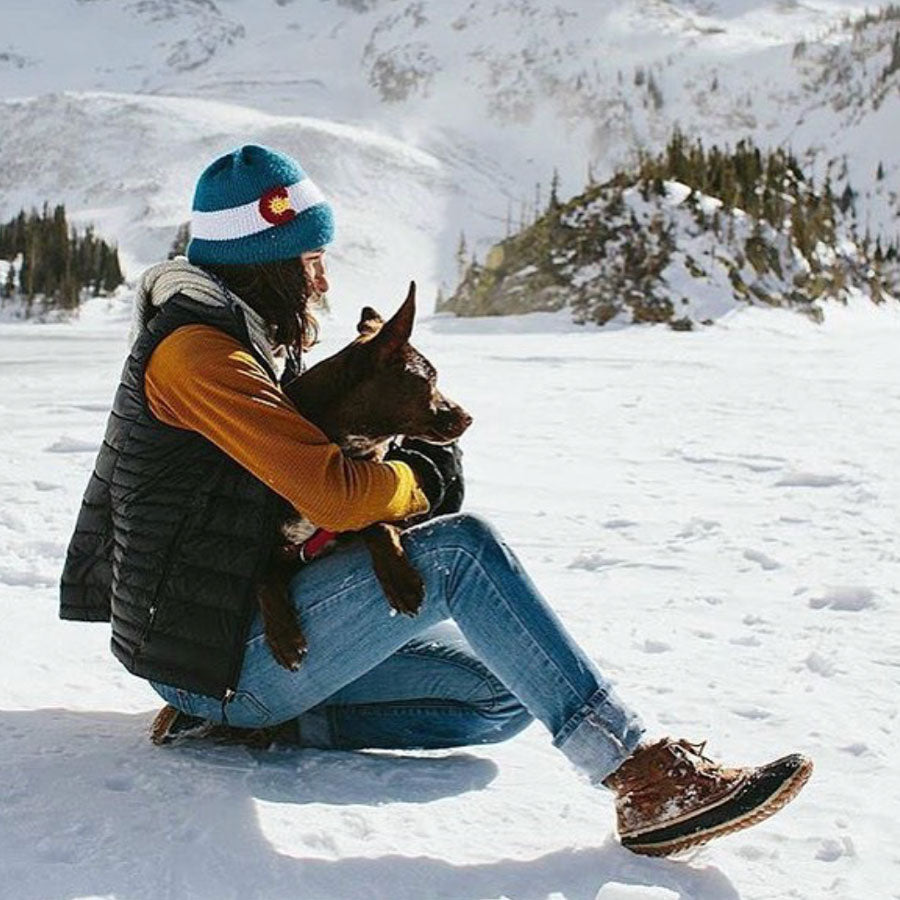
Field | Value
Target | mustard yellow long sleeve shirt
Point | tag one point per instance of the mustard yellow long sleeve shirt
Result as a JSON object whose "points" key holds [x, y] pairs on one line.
{"points": [[201, 379]]}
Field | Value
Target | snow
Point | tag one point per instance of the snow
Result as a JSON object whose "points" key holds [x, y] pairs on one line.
{"points": [[648, 481]]}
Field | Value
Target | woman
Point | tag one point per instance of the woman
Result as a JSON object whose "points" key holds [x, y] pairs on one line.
{"points": [[175, 530]]}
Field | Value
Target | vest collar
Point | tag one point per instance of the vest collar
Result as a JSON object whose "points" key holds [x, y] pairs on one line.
{"points": [[177, 276]]}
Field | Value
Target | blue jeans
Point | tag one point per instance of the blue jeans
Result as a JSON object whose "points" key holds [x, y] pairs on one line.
{"points": [[373, 679]]}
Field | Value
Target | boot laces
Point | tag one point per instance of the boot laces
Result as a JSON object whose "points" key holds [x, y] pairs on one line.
{"points": [[692, 758]]}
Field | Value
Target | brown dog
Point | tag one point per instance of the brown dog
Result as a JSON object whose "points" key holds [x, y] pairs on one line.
{"points": [[375, 389]]}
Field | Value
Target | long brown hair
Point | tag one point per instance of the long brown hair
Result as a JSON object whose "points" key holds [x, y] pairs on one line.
{"points": [[279, 292]]}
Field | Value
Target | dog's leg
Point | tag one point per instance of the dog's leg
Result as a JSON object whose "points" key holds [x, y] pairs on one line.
{"points": [[401, 583], [283, 633]]}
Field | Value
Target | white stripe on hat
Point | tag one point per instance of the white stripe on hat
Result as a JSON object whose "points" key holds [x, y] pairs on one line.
{"points": [[243, 221]]}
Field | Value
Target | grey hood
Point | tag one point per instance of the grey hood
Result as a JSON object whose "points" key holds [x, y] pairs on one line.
{"points": [[177, 276]]}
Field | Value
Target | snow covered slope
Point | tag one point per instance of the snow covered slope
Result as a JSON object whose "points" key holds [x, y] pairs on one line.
{"points": [[713, 515], [137, 179]]}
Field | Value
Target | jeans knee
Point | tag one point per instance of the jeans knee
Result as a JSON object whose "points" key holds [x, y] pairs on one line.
{"points": [[503, 720], [458, 531], [468, 529], [500, 714]]}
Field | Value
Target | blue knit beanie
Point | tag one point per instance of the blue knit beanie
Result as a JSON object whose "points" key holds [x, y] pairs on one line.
{"points": [[256, 205]]}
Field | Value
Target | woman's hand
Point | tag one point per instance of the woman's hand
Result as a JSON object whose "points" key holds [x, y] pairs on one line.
{"points": [[438, 469]]}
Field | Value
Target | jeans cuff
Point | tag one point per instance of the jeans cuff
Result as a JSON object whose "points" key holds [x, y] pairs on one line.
{"points": [[314, 729], [600, 736]]}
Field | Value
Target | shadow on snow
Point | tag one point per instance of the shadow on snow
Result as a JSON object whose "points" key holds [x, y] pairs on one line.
{"points": [[89, 807]]}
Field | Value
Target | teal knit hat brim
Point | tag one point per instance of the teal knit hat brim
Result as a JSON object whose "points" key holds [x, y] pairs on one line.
{"points": [[311, 230]]}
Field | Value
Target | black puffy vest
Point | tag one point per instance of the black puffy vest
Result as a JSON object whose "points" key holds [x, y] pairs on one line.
{"points": [[172, 535]]}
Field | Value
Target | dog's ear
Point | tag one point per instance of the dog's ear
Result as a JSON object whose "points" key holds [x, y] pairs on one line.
{"points": [[395, 332], [369, 321]]}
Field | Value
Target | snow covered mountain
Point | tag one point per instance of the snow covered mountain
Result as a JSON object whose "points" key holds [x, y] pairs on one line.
{"points": [[494, 94], [143, 153]]}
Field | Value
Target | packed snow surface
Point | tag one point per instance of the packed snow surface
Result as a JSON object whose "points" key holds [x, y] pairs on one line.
{"points": [[714, 517]]}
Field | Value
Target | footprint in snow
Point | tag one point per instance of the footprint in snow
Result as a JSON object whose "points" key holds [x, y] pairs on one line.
{"points": [[821, 665], [697, 529], [765, 562], [811, 479], [747, 640], [856, 749], [757, 713], [118, 783], [848, 598], [651, 646], [593, 561], [46, 486], [832, 849], [67, 444]]}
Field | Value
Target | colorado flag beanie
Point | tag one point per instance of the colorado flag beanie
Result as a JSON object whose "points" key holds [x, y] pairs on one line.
{"points": [[256, 205]]}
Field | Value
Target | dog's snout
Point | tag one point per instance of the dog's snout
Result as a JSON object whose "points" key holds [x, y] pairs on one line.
{"points": [[452, 420]]}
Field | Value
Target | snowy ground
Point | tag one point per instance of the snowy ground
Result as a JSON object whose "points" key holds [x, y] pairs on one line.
{"points": [[714, 515]]}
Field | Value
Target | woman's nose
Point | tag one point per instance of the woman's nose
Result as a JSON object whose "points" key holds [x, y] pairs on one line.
{"points": [[321, 279]]}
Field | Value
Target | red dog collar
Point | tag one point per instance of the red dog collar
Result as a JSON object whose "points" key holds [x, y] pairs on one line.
{"points": [[316, 544]]}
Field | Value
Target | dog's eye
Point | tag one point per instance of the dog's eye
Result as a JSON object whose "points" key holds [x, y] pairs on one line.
{"points": [[421, 368]]}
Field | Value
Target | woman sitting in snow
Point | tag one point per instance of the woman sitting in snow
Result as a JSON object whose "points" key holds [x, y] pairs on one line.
{"points": [[171, 540]]}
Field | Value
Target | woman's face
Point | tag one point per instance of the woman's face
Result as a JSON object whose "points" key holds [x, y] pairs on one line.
{"points": [[314, 271]]}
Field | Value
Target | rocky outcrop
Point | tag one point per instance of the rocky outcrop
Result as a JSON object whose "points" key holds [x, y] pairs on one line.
{"points": [[686, 237]]}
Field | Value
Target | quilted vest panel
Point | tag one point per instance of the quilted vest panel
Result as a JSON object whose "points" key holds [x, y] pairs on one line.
{"points": [[172, 535]]}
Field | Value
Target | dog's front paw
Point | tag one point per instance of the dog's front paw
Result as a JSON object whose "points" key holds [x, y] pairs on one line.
{"points": [[288, 646], [404, 589]]}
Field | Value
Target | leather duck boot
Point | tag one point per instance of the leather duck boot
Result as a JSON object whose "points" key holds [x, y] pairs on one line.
{"points": [[670, 797], [171, 725]]}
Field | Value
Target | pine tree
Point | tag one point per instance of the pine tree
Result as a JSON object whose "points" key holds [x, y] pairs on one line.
{"points": [[462, 255], [655, 93], [800, 231], [9, 286], [112, 274], [894, 64], [554, 191], [181, 240], [847, 200]]}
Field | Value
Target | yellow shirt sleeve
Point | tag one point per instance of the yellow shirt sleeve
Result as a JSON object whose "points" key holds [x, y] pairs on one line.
{"points": [[200, 378]]}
